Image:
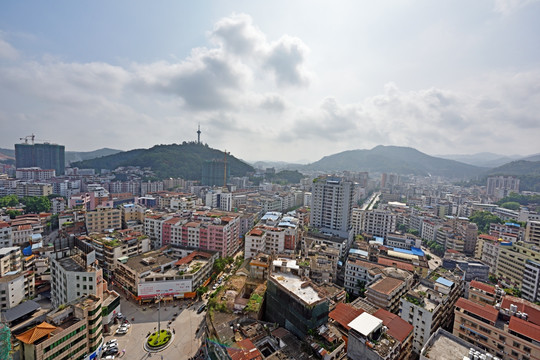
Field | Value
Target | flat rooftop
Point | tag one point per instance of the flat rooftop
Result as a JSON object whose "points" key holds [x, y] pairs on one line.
{"points": [[365, 324], [294, 284], [148, 261], [446, 346], [70, 263]]}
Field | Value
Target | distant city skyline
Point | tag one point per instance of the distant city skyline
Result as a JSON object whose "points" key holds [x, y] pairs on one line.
{"points": [[274, 82]]}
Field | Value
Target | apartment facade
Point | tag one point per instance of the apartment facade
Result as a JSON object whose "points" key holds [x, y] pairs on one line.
{"points": [[512, 259], [430, 305], [101, 219], [332, 203], [75, 332], [504, 332]]}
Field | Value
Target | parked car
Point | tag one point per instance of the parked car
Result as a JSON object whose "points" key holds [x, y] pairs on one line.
{"points": [[112, 342], [201, 309], [123, 329]]}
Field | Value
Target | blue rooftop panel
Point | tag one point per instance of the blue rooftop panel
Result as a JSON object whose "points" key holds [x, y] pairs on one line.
{"points": [[512, 224], [417, 251], [379, 239], [444, 282], [359, 252]]}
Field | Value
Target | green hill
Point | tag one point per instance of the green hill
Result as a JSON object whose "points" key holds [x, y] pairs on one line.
{"points": [[395, 159], [166, 161]]}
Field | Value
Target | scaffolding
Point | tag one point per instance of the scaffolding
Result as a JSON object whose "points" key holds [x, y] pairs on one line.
{"points": [[5, 342]]}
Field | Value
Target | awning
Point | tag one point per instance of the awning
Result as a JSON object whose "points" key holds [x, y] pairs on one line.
{"points": [[168, 298]]}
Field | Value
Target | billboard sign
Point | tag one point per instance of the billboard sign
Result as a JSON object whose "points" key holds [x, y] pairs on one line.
{"points": [[164, 288]]}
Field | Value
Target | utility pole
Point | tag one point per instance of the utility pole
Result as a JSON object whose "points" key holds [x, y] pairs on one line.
{"points": [[199, 134]]}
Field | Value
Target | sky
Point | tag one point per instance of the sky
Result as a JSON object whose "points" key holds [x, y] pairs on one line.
{"points": [[273, 80]]}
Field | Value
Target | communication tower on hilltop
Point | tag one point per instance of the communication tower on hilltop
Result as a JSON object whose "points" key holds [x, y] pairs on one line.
{"points": [[199, 135]]}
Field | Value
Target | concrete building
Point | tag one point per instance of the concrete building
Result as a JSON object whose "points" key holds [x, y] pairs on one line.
{"points": [[10, 260], [402, 241], [530, 285], [386, 293], [332, 202], [273, 234], [12, 290], [294, 302], [101, 219], [368, 340], [532, 232], [473, 269], [430, 304], [483, 293], [511, 262], [44, 156], [500, 186], [109, 247], [379, 222], [164, 273], [75, 332], [74, 276], [502, 330], [6, 235], [34, 174], [359, 274], [443, 345], [25, 189]]}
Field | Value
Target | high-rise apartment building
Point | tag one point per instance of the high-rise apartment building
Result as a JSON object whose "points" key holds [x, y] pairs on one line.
{"points": [[215, 173], [332, 202], [44, 156], [500, 186]]}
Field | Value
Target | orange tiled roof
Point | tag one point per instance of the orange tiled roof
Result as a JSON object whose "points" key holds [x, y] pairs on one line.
{"points": [[483, 286], [487, 312], [244, 350], [397, 327], [524, 306], [524, 327], [344, 314], [36, 333], [399, 264]]}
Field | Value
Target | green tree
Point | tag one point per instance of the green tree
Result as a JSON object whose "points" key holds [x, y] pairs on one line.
{"points": [[482, 219], [512, 205], [36, 204], [9, 201]]}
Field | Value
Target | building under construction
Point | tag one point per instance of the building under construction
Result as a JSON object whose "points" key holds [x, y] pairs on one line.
{"points": [[215, 173]]}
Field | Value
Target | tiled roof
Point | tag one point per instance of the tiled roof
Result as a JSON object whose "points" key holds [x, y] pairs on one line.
{"points": [[524, 306], [386, 285], [397, 327], [36, 333], [343, 314], [398, 264], [244, 350], [190, 257], [524, 327], [483, 286], [487, 312]]}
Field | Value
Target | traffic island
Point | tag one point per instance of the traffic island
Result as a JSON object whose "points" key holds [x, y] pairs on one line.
{"points": [[158, 341]]}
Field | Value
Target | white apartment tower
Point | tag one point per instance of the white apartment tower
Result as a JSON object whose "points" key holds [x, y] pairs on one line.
{"points": [[332, 202]]}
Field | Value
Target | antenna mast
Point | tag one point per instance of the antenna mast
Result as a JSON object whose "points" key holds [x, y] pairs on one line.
{"points": [[199, 134]]}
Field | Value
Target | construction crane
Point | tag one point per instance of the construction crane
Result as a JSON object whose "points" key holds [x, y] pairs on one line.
{"points": [[33, 138], [28, 137]]}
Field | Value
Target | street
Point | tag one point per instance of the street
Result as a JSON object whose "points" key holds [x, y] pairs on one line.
{"points": [[184, 343]]}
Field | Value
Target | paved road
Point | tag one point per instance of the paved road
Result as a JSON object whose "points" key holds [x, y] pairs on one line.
{"points": [[185, 343]]}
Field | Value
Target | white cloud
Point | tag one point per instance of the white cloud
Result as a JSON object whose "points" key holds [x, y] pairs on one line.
{"points": [[245, 91], [7, 51]]}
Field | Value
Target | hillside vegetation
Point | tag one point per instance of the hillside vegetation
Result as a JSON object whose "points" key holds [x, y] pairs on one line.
{"points": [[395, 159], [166, 161]]}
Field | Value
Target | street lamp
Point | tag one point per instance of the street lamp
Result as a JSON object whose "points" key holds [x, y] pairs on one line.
{"points": [[159, 297]]}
